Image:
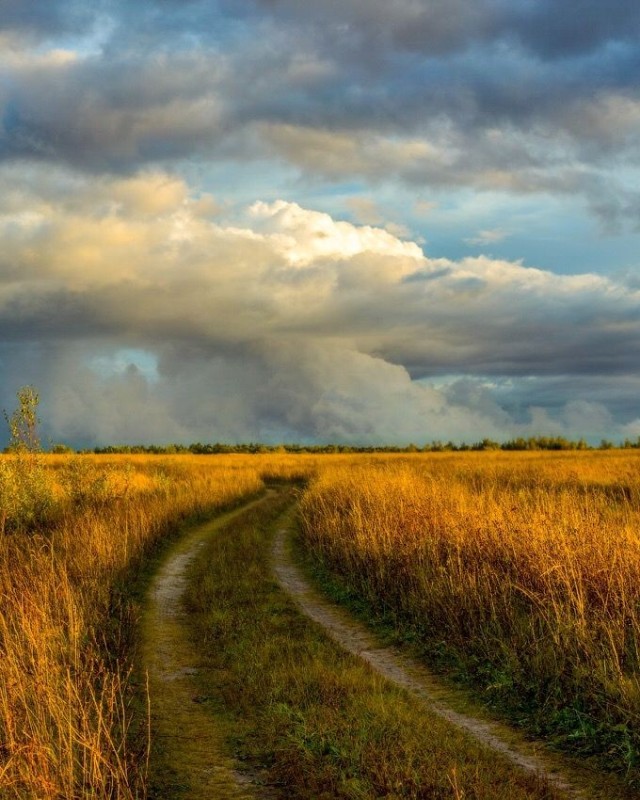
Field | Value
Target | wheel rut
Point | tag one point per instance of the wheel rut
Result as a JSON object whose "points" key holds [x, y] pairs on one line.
{"points": [[410, 674], [190, 745], [185, 738]]}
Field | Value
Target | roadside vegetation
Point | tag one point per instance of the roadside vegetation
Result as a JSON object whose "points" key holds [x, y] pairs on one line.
{"points": [[75, 533], [520, 574], [303, 717]]}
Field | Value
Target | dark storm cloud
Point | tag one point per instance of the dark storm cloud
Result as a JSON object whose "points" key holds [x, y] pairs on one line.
{"points": [[112, 115], [557, 30], [46, 19], [463, 94], [548, 28], [371, 30], [551, 392]]}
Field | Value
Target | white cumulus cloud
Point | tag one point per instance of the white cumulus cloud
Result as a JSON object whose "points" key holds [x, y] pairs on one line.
{"points": [[279, 322]]}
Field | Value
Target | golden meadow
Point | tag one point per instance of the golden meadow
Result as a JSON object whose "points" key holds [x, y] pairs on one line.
{"points": [[519, 572], [65, 698]]}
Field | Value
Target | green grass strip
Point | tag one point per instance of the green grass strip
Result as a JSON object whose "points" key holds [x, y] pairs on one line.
{"points": [[311, 721]]}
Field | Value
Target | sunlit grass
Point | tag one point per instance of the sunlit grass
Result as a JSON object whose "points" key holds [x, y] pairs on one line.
{"points": [[307, 718], [519, 573], [64, 665]]}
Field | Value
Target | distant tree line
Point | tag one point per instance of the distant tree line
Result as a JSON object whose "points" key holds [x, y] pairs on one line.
{"points": [[518, 444], [24, 438]]}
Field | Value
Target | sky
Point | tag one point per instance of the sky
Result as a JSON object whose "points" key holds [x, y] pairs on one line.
{"points": [[349, 221]]}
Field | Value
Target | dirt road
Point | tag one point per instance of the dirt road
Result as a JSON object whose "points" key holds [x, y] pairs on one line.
{"points": [[187, 743], [413, 676], [188, 757]]}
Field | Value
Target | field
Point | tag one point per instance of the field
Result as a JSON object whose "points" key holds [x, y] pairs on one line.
{"points": [[518, 574], [81, 528]]}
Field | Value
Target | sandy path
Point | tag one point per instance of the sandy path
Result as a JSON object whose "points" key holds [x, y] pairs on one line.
{"points": [[406, 672], [181, 727]]}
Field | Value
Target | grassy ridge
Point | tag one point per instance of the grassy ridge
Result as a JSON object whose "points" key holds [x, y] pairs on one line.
{"points": [[310, 720], [522, 574]]}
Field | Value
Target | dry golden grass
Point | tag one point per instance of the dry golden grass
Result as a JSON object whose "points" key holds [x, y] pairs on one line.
{"points": [[310, 720], [522, 571], [64, 697]]}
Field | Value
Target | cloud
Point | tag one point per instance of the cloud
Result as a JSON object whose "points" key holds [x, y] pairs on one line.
{"points": [[121, 287], [292, 324], [285, 391], [365, 210], [38, 19], [551, 34], [112, 116], [425, 207], [491, 236], [442, 27], [143, 253], [338, 90]]}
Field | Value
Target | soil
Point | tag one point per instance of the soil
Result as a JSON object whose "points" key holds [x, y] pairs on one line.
{"points": [[405, 671], [187, 740]]}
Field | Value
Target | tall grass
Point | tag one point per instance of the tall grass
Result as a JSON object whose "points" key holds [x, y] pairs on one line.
{"points": [[521, 570], [522, 573], [83, 525], [308, 718]]}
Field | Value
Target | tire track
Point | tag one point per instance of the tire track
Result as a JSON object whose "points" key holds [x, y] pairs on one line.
{"points": [[184, 734], [404, 671]]}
